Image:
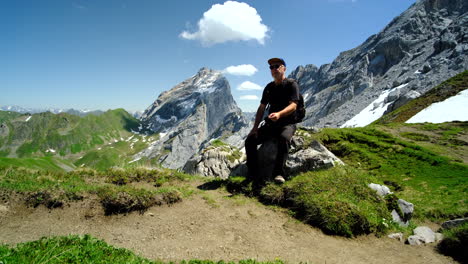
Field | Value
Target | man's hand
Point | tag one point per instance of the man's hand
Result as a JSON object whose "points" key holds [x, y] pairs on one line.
{"points": [[274, 116]]}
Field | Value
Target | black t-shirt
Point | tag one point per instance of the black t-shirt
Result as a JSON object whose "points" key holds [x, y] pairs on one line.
{"points": [[279, 96]]}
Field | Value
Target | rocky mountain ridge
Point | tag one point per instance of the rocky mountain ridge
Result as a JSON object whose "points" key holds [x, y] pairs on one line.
{"points": [[426, 44], [190, 114]]}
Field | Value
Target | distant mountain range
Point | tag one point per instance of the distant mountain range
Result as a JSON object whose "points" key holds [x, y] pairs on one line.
{"points": [[24, 110], [77, 112]]}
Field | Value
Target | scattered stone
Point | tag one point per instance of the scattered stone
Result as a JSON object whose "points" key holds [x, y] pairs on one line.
{"points": [[397, 236], [438, 237], [406, 208], [381, 190], [426, 233], [415, 240], [3, 209], [454, 223], [150, 214], [397, 219]]}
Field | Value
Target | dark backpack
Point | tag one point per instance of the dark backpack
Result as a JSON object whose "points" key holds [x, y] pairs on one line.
{"points": [[300, 110]]}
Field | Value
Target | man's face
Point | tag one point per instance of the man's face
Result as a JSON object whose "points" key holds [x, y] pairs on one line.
{"points": [[277, 71]]}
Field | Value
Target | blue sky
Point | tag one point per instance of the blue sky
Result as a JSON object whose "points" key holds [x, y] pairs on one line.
{"points": [[93, 54]]}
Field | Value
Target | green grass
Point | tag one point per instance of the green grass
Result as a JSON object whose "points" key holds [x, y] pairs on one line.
{"points": [[112, 187], [65, 133], [435, 185], [7, 115], [68, 249], [85, 249], [44, 163], [338, 200]]}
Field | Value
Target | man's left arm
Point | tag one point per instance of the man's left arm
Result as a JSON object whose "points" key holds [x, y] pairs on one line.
{"points": [[285, 112], [293, 99]]}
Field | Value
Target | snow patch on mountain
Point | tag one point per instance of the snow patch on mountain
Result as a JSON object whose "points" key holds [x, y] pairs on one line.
{"points": [[454, 108], [373, 111]]}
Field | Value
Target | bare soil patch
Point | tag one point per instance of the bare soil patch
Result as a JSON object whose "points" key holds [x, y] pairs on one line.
{"points": [[208, 225]]}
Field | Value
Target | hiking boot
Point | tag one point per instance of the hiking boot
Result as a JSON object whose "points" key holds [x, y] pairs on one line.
{"points": [[279, 179]]}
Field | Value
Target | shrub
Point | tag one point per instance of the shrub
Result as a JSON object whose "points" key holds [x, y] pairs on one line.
{"points": [[455, 243]]}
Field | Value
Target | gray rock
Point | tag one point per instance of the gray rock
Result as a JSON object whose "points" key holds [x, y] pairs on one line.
{"points": [[415, 240], [427, 235], [397, 236], [314, 157], [402, 100], [302, 158], [215, 162], [381, 190], [398, 219], [454, 223], [406, 208], [439, 237]]}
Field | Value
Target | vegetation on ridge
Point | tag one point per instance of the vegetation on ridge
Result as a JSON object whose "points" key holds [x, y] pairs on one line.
{"points": [[439, 93]]}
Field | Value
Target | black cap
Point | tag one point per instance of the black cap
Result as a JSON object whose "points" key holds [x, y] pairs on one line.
{"points": [[276, 61]]}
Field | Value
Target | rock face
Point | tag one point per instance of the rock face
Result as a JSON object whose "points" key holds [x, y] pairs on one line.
{"points": [[190, 114], [425, 45], [215, 162], [303, 157]]}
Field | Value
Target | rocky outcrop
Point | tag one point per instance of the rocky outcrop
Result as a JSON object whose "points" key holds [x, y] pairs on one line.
{"points": [[215, 161], [227, 161], [189, 115], [401, 210], [423, 235], [425, 45]]}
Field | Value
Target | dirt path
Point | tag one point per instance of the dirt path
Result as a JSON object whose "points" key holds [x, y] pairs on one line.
{"points": [[209, 225]]}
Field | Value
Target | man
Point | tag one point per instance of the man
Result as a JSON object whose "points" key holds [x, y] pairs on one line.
{"points": [[282, 96]]}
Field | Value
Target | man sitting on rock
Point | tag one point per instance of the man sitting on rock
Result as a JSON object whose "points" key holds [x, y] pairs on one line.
{"points": [[282, 96]]}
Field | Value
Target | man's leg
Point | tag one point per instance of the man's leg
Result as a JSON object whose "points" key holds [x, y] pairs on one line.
{"points": [[251, 151], [252, 156], [284, 140]]}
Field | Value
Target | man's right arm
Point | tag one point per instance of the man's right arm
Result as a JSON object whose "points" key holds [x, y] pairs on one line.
{"points": [[258, 118]]}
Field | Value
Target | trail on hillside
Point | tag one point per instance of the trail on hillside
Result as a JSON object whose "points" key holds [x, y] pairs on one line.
{"points": [[208, 225]]}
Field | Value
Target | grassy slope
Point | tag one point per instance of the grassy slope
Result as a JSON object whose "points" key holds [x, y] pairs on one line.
{"points": [[435, 185], [93, 141], [82, 249], [441, 92]]}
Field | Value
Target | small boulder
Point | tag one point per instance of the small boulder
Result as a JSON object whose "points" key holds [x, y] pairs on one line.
{"points": [[381, 190], [397, 236], [415, 240], [454, 223], [426, 233]]}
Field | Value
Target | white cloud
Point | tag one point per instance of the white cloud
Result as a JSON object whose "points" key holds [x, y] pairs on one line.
{"points": [[244, 69], [231, 21], [248, 86], [248, 97]]}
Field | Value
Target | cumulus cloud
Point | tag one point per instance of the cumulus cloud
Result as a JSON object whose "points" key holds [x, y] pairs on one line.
{"points": [[248, 97], [248, 86], [231, 21], [244, 69]]}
